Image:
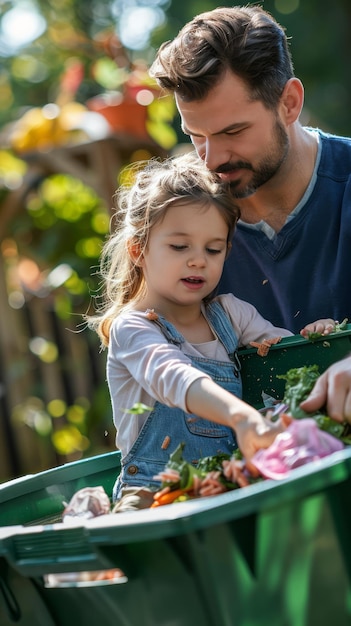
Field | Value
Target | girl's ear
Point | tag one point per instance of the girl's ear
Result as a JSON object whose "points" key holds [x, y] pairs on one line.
{"points": [[135, 253]]}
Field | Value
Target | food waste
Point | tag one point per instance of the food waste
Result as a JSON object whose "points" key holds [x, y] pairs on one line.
{"points": [[307, 438]]}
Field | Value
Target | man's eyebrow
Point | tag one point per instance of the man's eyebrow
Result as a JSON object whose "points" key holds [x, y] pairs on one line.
{"points": [[236, 126]]}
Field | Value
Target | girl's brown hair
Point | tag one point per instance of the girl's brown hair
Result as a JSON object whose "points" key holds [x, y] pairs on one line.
{"points": [[157, 185]]}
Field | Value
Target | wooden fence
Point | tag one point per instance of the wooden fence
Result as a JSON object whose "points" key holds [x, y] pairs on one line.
{"points": [[29, 383], [30, 380]]}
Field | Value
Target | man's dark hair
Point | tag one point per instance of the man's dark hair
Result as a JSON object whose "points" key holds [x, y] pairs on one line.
{"points": [[245, 40]]}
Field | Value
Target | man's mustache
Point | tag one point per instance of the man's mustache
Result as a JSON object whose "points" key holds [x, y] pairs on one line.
{"points": [[231, 167]]}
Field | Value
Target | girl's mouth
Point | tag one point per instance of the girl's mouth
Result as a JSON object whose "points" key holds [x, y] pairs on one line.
{"points": [[193, 282]]}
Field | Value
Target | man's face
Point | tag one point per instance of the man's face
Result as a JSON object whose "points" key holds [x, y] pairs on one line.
{"points": [[240, 139]]}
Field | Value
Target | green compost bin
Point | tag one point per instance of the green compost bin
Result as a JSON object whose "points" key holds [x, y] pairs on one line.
{"points": [[276, 553], [260, 374]]}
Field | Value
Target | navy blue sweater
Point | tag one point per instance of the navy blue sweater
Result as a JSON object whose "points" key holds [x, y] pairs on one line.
{"points": [[305, 273]]}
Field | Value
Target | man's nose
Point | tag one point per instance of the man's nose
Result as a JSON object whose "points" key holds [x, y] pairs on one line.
{"points": [[214, 154]]}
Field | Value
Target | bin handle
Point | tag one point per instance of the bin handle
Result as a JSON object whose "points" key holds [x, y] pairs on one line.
{"points": [[92, 578], [12, 606]]}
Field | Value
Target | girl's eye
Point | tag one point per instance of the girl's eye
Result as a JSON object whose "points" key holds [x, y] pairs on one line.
{"points": [[178, 246], [181, 247], [213, 251]]}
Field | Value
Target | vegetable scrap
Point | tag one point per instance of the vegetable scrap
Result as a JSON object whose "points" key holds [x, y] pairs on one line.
{"points": [[166, 442], [264, 346], [211, 475], [299, 382], [308, 437], [151, 314]]}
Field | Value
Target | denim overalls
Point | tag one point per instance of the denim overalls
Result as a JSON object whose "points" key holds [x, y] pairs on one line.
{"points": [[166, 425]]}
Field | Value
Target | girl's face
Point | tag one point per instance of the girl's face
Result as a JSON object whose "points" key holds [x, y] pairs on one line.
{"points": [[184, 258]]}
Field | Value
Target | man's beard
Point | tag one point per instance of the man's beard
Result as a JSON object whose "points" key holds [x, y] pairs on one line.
{"points": [[266, 169]]}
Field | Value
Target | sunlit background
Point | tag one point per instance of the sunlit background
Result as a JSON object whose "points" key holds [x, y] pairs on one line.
{"points": [[77, 106]]}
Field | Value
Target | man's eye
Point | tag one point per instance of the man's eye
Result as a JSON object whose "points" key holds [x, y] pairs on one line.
{"points": [[235, 131]]}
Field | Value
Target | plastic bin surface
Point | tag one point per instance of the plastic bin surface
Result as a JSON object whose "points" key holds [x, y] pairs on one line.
{"points": [[259, 374], [276, 553]]}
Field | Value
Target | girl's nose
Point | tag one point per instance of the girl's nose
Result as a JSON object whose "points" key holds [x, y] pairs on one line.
{"points": [[197, 260]]}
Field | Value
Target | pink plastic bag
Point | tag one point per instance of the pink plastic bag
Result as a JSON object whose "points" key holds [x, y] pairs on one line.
{"points": [[299, 444]]}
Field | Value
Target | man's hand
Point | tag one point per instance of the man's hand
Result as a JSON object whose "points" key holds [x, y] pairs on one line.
{"points": [[333, 390], [320, 327]]}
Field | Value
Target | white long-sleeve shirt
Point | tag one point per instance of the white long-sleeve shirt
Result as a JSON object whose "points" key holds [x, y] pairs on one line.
{"points": [[142, 367]]}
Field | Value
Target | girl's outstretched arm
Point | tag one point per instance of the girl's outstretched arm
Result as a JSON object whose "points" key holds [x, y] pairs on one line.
{"points": [[210, 401]]}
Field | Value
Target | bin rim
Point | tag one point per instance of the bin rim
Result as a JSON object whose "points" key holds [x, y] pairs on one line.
{"points": [[17, 487], [192, 515], [298, 340]]}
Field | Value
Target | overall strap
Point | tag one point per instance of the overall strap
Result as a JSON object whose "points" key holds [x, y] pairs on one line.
{"points": [[222, 326], [169, 331]]}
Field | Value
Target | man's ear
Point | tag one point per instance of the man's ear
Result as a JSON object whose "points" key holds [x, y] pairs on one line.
{"points": [[292, 100], [135, 253]]}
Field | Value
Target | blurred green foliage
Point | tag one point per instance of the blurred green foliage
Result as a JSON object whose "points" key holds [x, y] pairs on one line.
{"points": [[81, 29]]}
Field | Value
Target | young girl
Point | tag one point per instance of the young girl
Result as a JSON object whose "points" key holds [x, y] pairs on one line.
{"points": [[172, 345]]}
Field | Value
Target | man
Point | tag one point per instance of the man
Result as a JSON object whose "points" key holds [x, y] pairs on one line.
{"points": [[231, 72]]}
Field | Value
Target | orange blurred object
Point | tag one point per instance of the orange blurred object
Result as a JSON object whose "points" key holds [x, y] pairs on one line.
{"points": [[123, 114]]}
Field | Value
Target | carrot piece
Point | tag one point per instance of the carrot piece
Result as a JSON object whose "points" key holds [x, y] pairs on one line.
{"points": [[168, 498]]}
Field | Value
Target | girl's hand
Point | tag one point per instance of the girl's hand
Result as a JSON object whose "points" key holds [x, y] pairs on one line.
{"points": [[254, 432], [320, 327]]}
